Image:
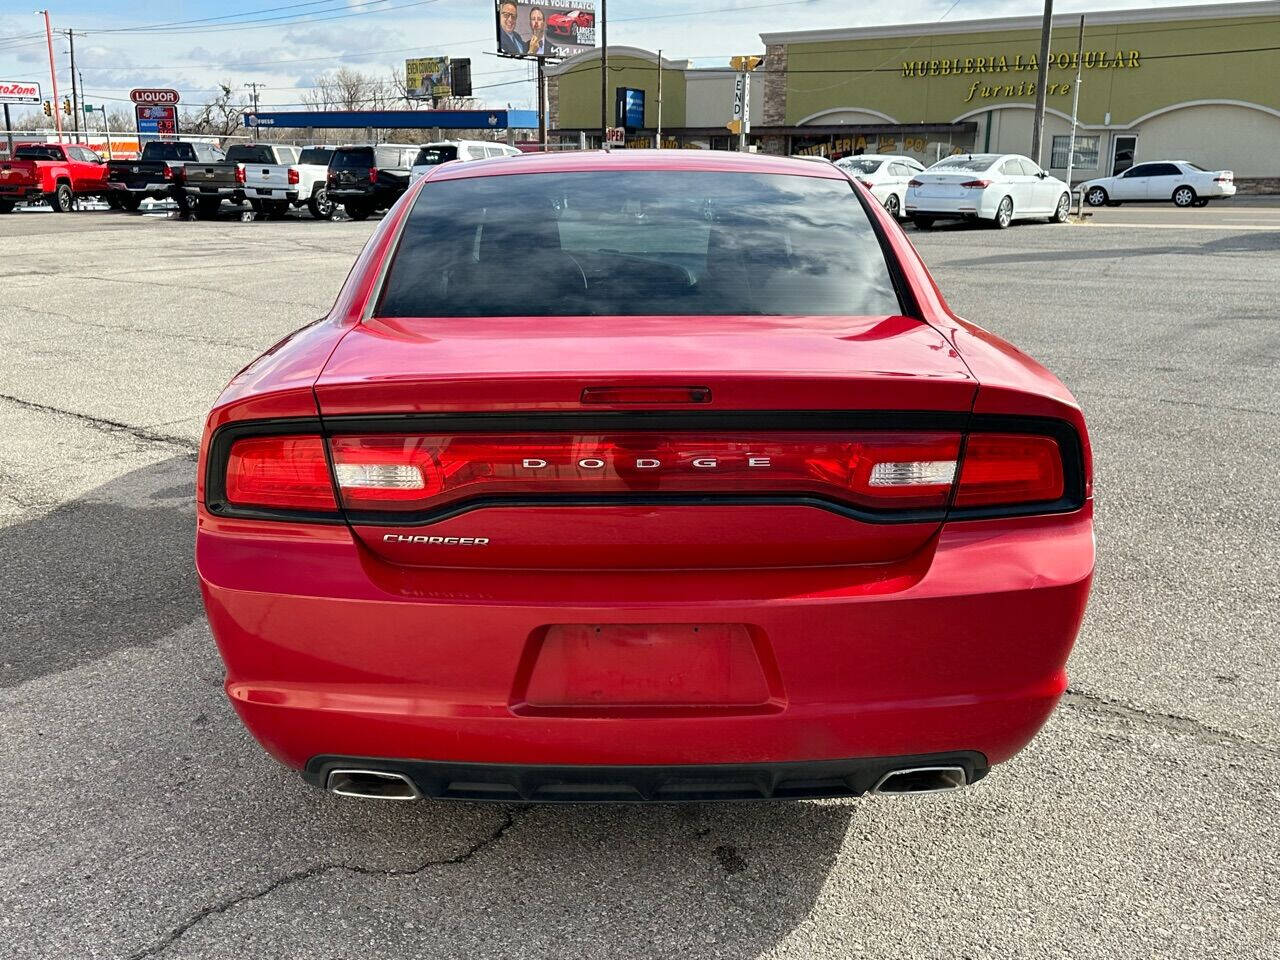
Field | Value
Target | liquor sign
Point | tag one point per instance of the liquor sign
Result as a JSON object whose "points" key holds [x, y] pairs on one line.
{"points": [[19, 91], [151, 95], [156, 121]]}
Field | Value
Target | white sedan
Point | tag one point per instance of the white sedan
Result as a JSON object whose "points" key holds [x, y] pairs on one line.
{"points": [[999, 187], [1178, 181], [885, 176]]}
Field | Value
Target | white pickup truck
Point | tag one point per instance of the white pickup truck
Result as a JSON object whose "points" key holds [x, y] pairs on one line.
{"points": [[293, 177]]}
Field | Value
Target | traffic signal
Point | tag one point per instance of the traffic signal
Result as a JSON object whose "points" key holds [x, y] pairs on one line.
{"points": [[66, 106], [746, 64], [48, 110]]}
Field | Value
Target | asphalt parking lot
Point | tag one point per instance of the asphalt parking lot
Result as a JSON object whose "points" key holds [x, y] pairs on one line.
{"points": [[141, 820]]}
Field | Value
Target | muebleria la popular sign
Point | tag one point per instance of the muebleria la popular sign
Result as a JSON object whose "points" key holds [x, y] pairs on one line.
{"points": [[1003, 64]]}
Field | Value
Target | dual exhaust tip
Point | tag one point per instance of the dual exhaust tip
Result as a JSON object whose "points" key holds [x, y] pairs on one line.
{"points": [[389, 785]]}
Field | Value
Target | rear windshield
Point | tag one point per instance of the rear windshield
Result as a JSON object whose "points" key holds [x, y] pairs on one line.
{"points": [[38, 153], [860, 164], [975, 164], [315, 155], [430, 156], [250, 153], [352, 158], [160, 150], [629, 243]]}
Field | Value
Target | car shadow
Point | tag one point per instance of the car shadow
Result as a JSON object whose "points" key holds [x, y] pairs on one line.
{"points": [[120, 681], [108, 570]]}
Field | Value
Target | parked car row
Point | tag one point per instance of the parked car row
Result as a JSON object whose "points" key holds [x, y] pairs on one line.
{"points": [[199, 177], [1002, 188]]}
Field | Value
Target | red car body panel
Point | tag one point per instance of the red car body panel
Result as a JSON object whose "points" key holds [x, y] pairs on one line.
{"points": [[860, 640]]}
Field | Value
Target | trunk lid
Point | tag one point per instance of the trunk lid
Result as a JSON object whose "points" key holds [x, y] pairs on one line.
{"points": [[510, 391], [946, 185]]}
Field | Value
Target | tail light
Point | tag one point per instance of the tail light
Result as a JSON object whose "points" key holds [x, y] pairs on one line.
{"points": [[373, 174], [976, 184], [870, 470], [1226, 179], [915, 183], [1002, 468], [168, 172], [293, 176], [286, 472], [240, 178], [330, 178]]}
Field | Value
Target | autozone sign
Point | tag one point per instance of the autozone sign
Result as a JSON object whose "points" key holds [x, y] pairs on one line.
{"points": [[146, 95], [19, 91]]}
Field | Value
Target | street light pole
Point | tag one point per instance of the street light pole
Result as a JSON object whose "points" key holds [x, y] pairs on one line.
{"points": [[1042, 80], [1075, 106], [75, 97], [658, 141]]}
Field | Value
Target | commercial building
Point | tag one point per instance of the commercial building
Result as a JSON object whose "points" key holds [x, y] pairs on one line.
{"points": [[1197, 83]]}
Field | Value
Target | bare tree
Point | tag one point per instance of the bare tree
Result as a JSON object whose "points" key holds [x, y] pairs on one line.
{"points": [[220, 117]]}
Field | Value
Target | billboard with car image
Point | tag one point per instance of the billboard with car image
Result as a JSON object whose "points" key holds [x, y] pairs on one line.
{"points": [[548, 28]]}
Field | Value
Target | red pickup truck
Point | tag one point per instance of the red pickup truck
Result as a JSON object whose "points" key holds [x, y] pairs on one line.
{"points": [[56, 172]]}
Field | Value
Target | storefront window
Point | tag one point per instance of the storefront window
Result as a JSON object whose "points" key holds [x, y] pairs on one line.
{"points": [[1086, 153]]}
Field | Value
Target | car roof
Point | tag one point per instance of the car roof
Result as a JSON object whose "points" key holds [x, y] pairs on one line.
{"points": [[588, 161]]}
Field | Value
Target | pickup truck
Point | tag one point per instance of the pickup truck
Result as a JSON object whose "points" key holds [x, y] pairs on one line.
{"points": [[54, 172], [365, 177], [271, 188], [157, 173], [208, 184]]}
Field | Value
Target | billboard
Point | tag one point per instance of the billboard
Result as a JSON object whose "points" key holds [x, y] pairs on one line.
{"points": [[545, 28], [428, 77], [19, 91]]}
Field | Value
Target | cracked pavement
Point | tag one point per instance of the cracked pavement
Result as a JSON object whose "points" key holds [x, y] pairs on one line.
{"points": [[142, 821]]}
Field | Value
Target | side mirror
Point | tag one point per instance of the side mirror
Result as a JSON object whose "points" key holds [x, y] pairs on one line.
{"points": [[1042, 175]]}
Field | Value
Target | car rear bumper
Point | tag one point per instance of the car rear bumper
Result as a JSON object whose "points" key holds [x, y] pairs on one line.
{"points": [[977, 205], [1215, 190], [331, 651], [544, 783]]}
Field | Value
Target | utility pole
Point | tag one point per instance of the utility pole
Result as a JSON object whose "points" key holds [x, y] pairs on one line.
{"points": [[604, 78], [658, 142], [1042, 80], [1075, 106], [53, 74], [542, 103], [254, 85], [75, 98]]}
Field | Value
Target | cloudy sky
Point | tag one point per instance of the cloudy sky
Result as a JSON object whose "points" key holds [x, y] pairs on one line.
{"points": [[193, 45]]}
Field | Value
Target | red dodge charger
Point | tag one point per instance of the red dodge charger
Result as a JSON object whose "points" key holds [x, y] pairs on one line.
{"points": [[643, 476]]}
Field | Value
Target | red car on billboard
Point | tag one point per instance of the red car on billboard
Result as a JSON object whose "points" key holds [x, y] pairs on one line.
{"points": [[568, 24], [643, 476]]}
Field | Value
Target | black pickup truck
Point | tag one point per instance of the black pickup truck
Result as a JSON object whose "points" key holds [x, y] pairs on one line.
{"points": [[157, 173], [208, 184], [364, 178]]}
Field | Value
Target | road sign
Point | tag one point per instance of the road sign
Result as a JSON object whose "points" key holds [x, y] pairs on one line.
{"points": [[616, 135], [19, 91], [153, 95], [741, 122]]}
